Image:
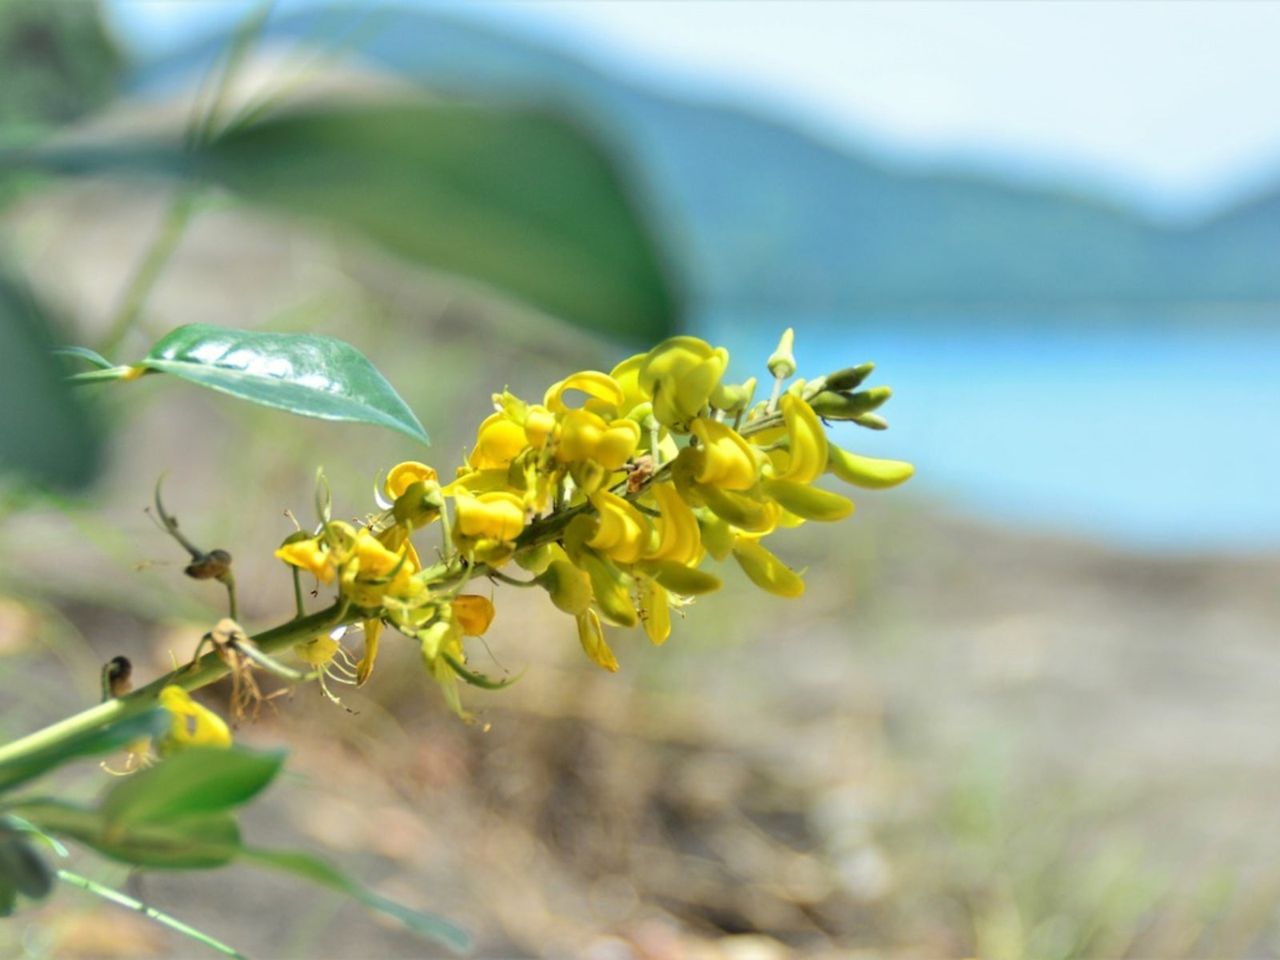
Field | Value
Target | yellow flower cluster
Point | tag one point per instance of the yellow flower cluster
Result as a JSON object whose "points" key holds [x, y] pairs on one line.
{"points": [[612, 493]]}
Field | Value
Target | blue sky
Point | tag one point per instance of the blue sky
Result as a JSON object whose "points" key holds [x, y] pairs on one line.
{"points": [[1168, 105]]}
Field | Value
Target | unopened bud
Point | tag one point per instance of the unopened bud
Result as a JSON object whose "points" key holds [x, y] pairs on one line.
{"points": [[872, 421], [212, 566], [848, 406], [782, 362], [850, 378]]}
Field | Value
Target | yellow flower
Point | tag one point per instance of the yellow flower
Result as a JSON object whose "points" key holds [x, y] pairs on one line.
{"points": [[498, 441], [403, 475], [312, 555], [373, 571], [679, 538], [624, 533], [586, 436], [680, 374], [806, 458], [193, 725], [473, 614], [497, 515]]}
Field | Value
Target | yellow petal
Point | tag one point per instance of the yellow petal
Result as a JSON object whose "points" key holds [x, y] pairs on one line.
{"points": [[624, 533], [497, 515], [679, 538], [310, 555], [598, 386], [807, 441], [498, 441], [591, 636], [404, 475], [372, 634], [654, 611], [193, 725], [727, 460]]}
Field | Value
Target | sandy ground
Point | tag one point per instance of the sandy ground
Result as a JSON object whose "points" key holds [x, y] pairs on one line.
{"points": [[960, 741]]}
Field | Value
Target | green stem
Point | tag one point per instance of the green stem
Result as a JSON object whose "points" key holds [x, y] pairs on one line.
{"points": [[151, 913], [144, 280], [201, 673]]}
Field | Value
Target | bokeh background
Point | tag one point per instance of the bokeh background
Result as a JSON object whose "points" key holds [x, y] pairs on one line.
{"points": [[1028, 706]]}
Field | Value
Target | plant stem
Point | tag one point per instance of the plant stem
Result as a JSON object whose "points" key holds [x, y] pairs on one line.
{"points": [[192, 676], [151, 913]]}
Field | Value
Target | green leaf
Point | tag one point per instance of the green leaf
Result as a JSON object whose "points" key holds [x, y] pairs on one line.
{"points": [[520, 199], [326, 875], [196, 781], [21, 865], [179, 843], [92, 743], [308, 375], [84, 353], [46, 434]]}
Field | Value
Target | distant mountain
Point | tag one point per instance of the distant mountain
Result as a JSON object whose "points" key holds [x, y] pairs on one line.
{"points": [[761, 214]]}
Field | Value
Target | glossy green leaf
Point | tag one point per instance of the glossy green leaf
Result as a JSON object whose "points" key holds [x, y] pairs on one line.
{"points": [[326, 875], [178, 843], [92, 743], [308, 375], [195, 781], [522, 200], [46, 434]]}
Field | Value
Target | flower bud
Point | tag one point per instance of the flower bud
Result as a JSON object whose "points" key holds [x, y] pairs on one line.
{"points": [[686, 581], [811, 503], [867, 472], [568, 587], [734, 398], [871, 421], [609, 585], [847, 406], [765, 570], [782, 362], [850, 378]]}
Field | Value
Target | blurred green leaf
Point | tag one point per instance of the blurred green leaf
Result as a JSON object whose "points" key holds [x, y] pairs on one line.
{"points": [[46, 435], [198, 780], [303, 374], [520, 199], [325, 874], [91, 357], [22, 869], [103, 740], [177, 843]]}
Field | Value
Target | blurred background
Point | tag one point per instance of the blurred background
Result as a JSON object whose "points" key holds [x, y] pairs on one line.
{"points": [[1028, 705]]}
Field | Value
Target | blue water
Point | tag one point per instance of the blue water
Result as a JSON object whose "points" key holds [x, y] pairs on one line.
{"points": [[1143, 435]]}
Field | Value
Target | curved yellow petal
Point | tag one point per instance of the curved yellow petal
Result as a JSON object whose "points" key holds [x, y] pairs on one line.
{"points": [[807, 440]]}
